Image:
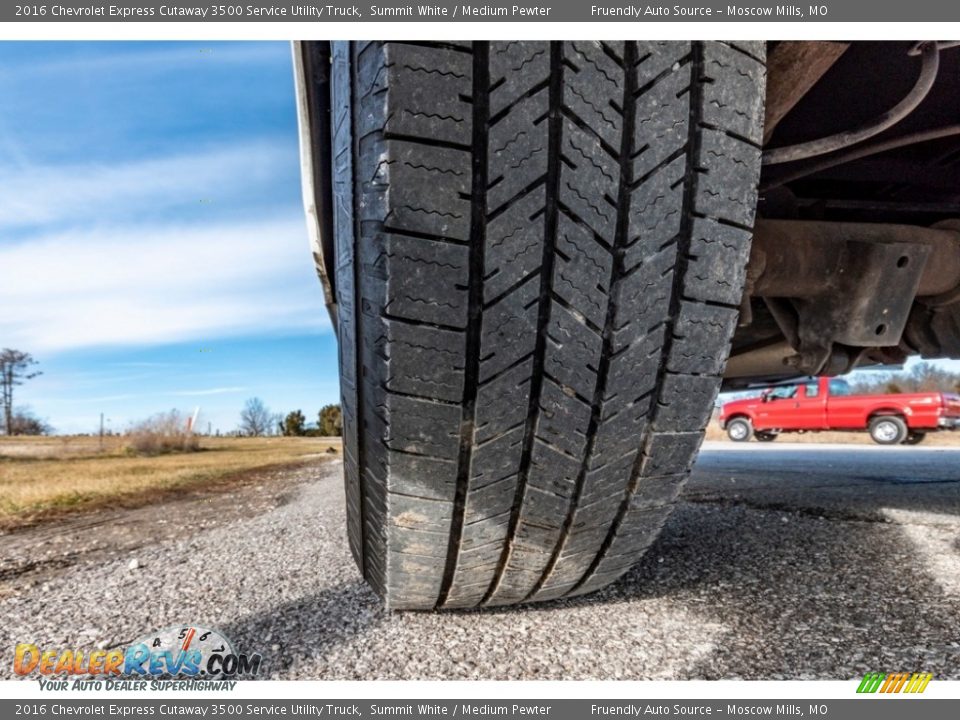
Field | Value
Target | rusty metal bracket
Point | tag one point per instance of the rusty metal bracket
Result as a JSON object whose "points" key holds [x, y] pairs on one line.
{"points": [[839, 289], [867, 302]]}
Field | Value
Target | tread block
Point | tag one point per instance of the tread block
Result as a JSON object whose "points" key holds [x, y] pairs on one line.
{"points": [[716, 262], [671, 453], [502, 403], [423, 428], [573, 351], [515, 69], [422, 476], [695, 349], [656, 211], [686, 401], [430, 87], [509, 331], [733, 104], [496, 460], [563, 420], [514, 247], [721, 197], [662, 124], [426, 281], [517, 157]]}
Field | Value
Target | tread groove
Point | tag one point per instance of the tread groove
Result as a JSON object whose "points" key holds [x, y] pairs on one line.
{"points": [[555, 128], [481, 111], [676, 291], [607, 333]]}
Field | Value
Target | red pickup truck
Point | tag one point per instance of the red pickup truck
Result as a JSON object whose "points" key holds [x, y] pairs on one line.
{"points": [[829, 404]]}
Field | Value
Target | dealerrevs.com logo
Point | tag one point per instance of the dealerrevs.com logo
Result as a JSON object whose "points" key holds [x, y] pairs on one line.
{"points": [[187, 651]]}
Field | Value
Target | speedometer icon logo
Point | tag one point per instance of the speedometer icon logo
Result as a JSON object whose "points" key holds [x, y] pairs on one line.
{"points": [[188, 650]]}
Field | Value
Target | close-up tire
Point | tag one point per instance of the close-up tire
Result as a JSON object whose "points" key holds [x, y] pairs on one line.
{"points": [[540, 253], [765, 437], [740, 430], [888, 430], [915, 438]]}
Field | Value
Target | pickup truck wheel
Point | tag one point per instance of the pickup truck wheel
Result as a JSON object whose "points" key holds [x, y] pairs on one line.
{"points": [[740, 430], [765, 436], [540, 250], [915, 438], [888, 430]]}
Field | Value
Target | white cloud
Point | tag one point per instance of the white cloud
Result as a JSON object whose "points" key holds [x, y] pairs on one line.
{"points": [[37, 195], [145, 285], [106, 255]]}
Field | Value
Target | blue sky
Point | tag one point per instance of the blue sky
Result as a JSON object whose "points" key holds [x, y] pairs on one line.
{"points": [[153, 249]]}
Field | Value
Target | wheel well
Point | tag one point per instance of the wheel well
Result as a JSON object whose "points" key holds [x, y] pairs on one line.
{"points": [[312, 64], [885, 412]]}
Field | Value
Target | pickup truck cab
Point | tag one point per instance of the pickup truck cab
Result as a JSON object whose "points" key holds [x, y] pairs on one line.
{"points": [[829, 404]]}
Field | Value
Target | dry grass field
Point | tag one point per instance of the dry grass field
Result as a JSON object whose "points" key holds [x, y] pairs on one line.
{"points": [[46, 476]]}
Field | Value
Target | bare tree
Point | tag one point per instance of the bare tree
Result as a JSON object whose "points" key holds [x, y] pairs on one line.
{"points": [[255, 418], [14, 369], [24, 422], [923, 377]]}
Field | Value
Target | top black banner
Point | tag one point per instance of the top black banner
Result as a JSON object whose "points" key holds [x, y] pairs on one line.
{"points": [[523, 11]]}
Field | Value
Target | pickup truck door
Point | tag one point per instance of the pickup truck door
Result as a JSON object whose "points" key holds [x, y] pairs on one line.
{"points": [[809, 407], [776, 410]]}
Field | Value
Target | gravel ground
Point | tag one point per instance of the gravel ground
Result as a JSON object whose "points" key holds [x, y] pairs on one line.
{"points": [[781, 562]]}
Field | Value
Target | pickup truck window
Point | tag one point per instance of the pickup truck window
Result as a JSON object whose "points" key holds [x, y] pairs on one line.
{"points": [[811, 390], [782, 393], [839, 387]]}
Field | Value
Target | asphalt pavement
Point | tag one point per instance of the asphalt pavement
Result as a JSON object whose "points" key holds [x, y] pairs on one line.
{"points": [[781, 561]]}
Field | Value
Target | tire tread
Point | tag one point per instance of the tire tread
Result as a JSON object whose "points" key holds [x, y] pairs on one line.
{"points": [[547, 245]]}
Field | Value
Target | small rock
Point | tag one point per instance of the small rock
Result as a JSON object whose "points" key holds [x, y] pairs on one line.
{"points": [[133, 564]]}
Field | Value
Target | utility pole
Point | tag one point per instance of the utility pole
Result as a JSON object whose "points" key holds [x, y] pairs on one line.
{"points": [[101, 432]]}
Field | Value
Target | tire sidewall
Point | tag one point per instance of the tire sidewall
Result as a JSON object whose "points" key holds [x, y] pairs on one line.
{"points": [[740, 430], [888, 430]]}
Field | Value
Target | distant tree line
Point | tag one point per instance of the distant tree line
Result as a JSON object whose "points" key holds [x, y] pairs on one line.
{"points": [[922, 377], [161, 432], [256, 420]]}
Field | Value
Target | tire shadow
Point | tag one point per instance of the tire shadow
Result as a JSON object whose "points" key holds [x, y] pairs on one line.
{"points": [[306, 629]]}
